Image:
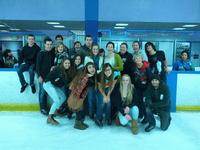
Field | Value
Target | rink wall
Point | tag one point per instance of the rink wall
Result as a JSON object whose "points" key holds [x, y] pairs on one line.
{"points": [[184, 88], [10, 96]]}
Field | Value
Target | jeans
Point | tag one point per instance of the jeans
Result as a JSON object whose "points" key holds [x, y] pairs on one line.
{"points": [[103, 107], [134, 112], [140, 94], [26, 67], [42, 97], [57, 94], [91, 97], [165, 118]]}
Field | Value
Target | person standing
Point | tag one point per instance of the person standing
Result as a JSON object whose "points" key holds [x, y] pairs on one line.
{"points": [[75, 50], [137, 50], [140, 77], [79, 88], [28, 63], [56, 83], [127, 58], [157, 61], [45, 62], [113, 59], [86, 49]]}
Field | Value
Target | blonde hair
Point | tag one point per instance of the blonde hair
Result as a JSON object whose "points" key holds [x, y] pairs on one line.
{"points": [[59, 44], [130, 89]]}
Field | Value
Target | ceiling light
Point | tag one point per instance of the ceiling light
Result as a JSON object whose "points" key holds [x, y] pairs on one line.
{"points": [[1, 25], [119, 27], [13, 29], [179, 28], [121, 24], [4, 31], [189, 25], [53, 23], [59, 26]]}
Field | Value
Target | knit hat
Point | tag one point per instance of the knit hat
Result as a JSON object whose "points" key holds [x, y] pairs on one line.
{"points": [[155, 76]]}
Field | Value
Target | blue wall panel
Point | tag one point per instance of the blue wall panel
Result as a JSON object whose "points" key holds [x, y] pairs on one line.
{"points": [[150, 10]]}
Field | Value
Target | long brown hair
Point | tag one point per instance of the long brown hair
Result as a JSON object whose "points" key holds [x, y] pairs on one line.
{"points": [[130, 90], [69, 73], [77, 79], [103, 77]]}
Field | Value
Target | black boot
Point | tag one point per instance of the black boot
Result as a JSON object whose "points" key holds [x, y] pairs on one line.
{"points": [[144, 121], [80, 125], [23, 87], [99, 123], [149, 128], [33, 89]]}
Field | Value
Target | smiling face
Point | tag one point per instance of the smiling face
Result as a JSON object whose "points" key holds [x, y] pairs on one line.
{"points": [[184, 56], [48, 45], [108, 71], [77, 60], [31, 40], [110, 48], [60, 48], [123, 49], [136, 46], [66, 64], [138, 59], [91, 69], [88, 41], [125, 81], [95, 50], [77, 46], [155, 83]]}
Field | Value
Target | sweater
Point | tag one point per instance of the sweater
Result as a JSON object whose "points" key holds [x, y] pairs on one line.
{"points": [[45, 61], [29, 54], [121, 105], [140, 77], [127, 59], [158, 99], [57, 78]]}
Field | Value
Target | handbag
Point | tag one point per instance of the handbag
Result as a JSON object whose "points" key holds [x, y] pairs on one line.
{"points": [[75, 104]]}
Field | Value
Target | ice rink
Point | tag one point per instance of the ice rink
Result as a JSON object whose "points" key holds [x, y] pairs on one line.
{"points": [[29, 131]]}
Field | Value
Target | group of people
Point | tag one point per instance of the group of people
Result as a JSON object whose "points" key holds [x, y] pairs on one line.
{"points": [[114, 87]]}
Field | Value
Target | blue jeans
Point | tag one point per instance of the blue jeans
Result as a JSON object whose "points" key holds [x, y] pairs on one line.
{"points": [[91, 96], [26, 67], [57, 94], [42, 97], [103, 107]]}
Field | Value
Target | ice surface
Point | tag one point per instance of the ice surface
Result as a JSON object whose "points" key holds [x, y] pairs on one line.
{"points": [[29, 130]]}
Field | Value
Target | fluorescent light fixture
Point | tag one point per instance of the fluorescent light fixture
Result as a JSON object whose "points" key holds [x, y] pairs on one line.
{"points": [[4, 31], [121, 24], [59, 26], [119, 27], [13, 29], [1, 25], [189, 25], [179, 28], [53, 23]]}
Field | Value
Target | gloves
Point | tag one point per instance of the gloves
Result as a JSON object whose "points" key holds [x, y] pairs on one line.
{"points": [[128, 117], [126, 110]]}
